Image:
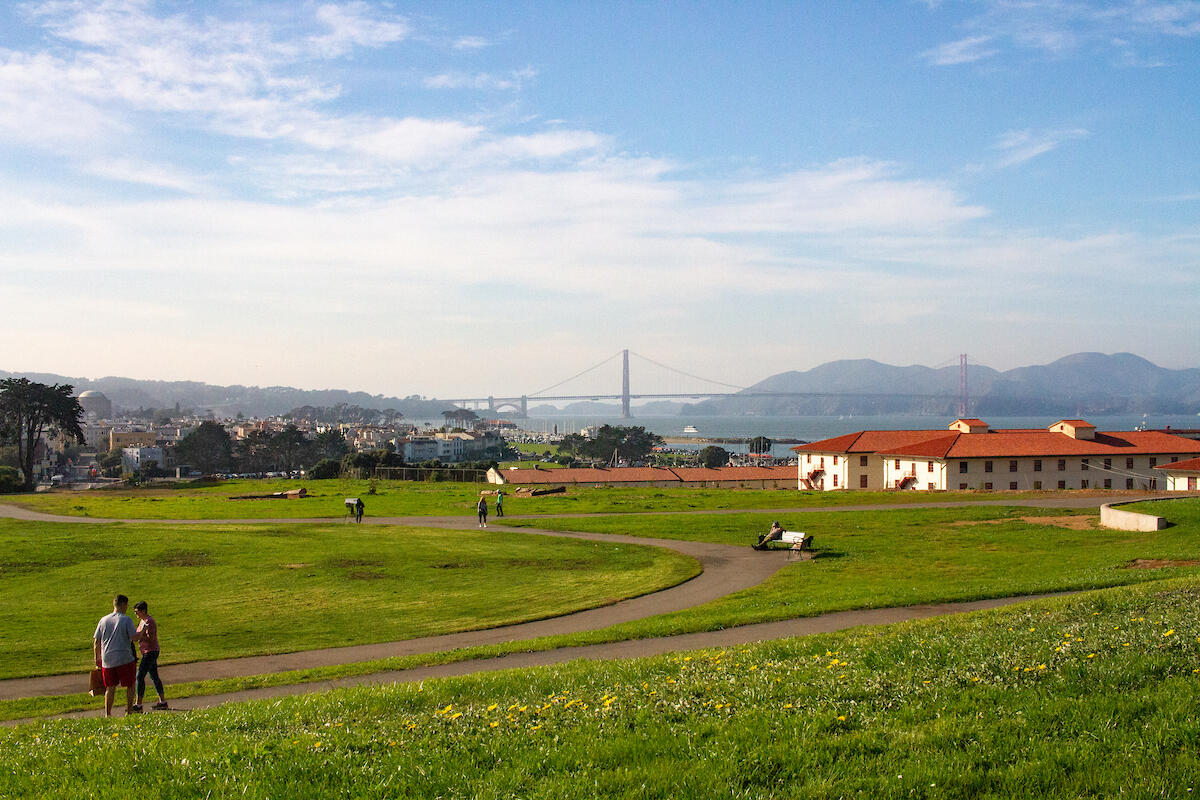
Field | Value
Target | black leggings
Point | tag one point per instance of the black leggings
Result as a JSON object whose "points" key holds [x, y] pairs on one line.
{"points": [[149, 666]]}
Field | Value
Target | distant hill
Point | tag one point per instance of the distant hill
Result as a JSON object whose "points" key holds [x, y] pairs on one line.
{"points": [[1084, 383], [229, 401]]}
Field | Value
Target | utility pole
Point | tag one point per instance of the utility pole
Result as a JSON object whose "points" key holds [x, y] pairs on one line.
{"points": [[625, 385]]}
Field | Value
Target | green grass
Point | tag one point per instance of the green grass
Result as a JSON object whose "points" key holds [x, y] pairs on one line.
{"points": [[876, 559], [227, 591], [399, 498], [1184, 511], [1088, 696], [870, 559]]}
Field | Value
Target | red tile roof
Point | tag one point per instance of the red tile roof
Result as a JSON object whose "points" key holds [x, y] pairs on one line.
{"points": [[646, 474], [1003, 444], [1191, 465]]}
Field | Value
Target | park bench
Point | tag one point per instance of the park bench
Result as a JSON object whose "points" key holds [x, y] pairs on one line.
{"points": [[799, 542]]}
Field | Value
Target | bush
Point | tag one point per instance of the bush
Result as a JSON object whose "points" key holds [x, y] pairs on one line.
{"points": [[10, 480], [325, 468]]}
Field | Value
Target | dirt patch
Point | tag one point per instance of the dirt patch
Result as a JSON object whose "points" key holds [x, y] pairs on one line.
{"points": [[364, 575], [1158, 563], [183, 558], [450, 565], [347, 563], [294, 566], [1073, 522]]}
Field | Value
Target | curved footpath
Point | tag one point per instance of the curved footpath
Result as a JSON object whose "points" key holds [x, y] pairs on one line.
{"points": [[725, 569]]}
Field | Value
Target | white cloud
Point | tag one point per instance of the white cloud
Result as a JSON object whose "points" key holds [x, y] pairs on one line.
{"points": [[1061, 27], [1017, 147], [479, 80], [471, 43], [963, 51]]}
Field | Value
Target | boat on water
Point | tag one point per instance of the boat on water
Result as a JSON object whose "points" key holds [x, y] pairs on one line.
{"points": [[690, 429]]}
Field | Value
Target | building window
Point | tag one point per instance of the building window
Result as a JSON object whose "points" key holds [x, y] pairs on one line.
{"points": [[1037, 465], [1153, 461], [897, 463], [1083, 484], [835, 461], [1062, 484], [1129, 463], [862, 461], [1012, 485], [962, 468], [835, 477], [1062, 465], [962, 486], [1012, 466], [1037, 484], [1174, 459], [1108, 463], [1108, 483], [822, 464], [809, 461], [987, 466], [862, 481], [987, 486], [931, 486], [1154, 483], [1129, 483], [930, 468], [1083, 465]]}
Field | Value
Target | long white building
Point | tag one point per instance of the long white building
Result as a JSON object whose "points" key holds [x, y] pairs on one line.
{"points": [[1070, 454]]}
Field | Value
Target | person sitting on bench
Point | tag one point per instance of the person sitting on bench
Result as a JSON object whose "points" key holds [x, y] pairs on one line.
{"points": [[773, 535]]}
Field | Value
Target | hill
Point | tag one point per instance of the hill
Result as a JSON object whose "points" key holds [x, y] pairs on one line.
{"points": [[1083, 383]]}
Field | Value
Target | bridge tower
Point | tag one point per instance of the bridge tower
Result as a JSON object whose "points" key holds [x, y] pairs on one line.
{"points": [[962, 385], [625, 385]]}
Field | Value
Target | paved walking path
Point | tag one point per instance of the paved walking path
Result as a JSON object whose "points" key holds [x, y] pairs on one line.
{"points": [[633, 648]]}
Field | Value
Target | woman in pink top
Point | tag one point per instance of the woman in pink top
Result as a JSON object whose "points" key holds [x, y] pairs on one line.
{"points": [[147, 639]]}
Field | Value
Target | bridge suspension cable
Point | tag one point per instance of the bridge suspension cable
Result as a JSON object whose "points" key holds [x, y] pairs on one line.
{"points": [[576, 375], [688, 374]]}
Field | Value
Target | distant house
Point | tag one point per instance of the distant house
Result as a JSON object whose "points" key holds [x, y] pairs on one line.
{"points": [[1182, 476], [1070, 454], [724, 477]]}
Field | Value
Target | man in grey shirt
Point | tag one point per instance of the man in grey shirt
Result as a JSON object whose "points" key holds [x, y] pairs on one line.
{"points": [[112, 644]]}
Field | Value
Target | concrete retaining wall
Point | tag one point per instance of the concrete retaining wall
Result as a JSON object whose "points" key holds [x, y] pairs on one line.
{"points": [[1113, 517]]}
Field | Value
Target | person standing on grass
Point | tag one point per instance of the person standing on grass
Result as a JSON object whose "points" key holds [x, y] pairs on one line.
{"points": [[112, 644], [499, 503], [147, 639], [358, 509], [481, 507]]}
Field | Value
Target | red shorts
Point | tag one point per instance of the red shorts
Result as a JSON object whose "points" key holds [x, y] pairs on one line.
{"points": [[122, 675]]}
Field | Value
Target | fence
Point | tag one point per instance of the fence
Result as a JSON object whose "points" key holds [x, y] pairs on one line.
{"points": [[428, 474]]}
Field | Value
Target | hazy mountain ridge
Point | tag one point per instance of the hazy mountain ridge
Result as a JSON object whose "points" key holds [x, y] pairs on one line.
{"points": [[251, 401], [1076, 384]]}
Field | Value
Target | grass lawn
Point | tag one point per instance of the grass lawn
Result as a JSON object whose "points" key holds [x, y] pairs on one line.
{"points": [[1087, 696], [228, 591], [399, 498], [872, 559], [1184, 511]]}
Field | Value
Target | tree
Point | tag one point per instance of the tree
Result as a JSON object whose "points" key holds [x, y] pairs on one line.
{"points": [[760, 444], [207, 448], [29, 409], [713, 456], [462, 417], [330, 443], [291, 448]]}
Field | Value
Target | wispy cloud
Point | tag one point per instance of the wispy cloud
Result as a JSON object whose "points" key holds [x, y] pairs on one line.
{"points": [[471, 43], [1061, 27], [1017, 147], [963, 51], [479, 80]]}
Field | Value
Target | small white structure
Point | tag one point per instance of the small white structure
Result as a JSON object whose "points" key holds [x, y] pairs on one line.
{"points": [[1182, 476]]}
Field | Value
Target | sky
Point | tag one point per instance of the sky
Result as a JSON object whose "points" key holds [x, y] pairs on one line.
{"points": [[468, 198]]}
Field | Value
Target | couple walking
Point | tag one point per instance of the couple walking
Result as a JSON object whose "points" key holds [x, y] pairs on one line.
{"points": [[482, 508], [114, 645]]}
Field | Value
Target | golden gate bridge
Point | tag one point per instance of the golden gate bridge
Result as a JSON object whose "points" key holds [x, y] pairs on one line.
{"points": [[519, 405]]}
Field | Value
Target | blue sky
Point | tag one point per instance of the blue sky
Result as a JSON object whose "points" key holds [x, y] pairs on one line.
{"points": [[452, 198]]}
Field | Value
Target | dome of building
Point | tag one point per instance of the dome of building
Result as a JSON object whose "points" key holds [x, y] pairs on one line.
{"points": [[96, 404]]}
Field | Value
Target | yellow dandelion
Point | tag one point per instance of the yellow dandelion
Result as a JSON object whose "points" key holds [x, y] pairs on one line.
{"points": [[841, 718], [1170, 632], [1041, 666], [492, 707], [494, 724], [1091, 655], [457, 715]]}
